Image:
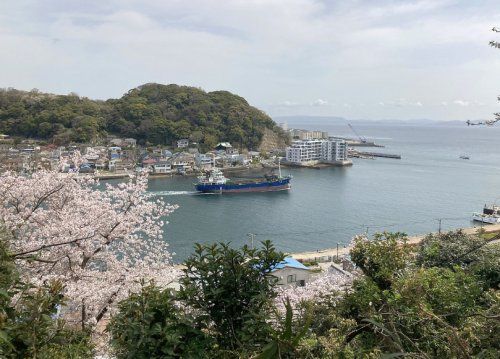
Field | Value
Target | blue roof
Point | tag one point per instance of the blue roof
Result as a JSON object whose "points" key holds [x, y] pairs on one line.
{"points": [[290, 263]]}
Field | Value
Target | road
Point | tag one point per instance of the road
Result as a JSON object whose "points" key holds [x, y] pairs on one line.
{"points": [[322, 254]]}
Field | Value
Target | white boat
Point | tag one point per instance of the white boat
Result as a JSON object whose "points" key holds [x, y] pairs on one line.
{"points": [[486, 218], [490, 215]]}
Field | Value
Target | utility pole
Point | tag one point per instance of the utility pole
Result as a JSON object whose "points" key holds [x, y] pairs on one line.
{"points": [[439, 230], [252, 237], [337, 251], [367, 231]]}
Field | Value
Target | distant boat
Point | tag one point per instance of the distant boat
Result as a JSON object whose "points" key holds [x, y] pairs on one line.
{"points": [[464, 157]]}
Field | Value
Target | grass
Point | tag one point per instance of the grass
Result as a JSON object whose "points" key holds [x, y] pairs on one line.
{"points": [[490, 235]]}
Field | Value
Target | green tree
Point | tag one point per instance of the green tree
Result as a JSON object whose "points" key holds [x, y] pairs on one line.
{"points": [[233, 291], [382, 258], [150, 324]]}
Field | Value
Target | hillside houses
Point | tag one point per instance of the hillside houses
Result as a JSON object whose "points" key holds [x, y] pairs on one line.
{"points": [[118, 156]]}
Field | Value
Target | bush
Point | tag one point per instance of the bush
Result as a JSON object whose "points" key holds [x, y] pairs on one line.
{"points": [[150, 324]]}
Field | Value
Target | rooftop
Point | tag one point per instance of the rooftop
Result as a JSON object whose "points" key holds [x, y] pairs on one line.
{"points": [[290, 262]]}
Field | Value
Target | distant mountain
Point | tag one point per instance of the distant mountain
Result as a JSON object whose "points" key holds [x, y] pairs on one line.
{"points": [[321, 120], [152, 113]]}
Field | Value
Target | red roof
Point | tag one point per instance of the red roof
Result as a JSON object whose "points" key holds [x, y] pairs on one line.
{"points": [[149, 161]]}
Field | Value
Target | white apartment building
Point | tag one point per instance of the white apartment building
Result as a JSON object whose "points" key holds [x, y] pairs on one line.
{"points": [[308, 135], [310, 152]]}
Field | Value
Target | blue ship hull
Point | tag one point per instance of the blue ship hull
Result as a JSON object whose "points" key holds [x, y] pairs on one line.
{"points": [[263, 186]]}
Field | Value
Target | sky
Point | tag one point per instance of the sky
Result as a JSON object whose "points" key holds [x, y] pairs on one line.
{"points": [[359, 59]]}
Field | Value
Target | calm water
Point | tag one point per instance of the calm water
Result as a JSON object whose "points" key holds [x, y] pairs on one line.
{"points": [[329, 206]]}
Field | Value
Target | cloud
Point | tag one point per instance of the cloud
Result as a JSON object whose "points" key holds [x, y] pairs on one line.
{"points": [[401, 102], [353, 51], [461, 103], [466, 103], [319, 102], [288, 103]]}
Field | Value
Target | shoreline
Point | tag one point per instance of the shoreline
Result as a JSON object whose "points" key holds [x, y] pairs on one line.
{"points": [[107, 176], [328, 254]]}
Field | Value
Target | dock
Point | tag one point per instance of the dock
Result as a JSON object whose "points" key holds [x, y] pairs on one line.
{"points": [[363, 144], [376, 154]]}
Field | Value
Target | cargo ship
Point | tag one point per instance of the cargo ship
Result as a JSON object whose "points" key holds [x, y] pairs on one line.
{"points": [[215, 182]]}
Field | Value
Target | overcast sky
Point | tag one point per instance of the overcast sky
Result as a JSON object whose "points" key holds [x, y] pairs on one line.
{"points": [[356, 59]]}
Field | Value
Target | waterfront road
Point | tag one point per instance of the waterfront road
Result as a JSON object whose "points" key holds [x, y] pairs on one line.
{"points": [[328, 254]]}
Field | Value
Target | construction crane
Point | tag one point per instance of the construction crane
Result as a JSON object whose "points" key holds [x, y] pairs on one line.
{"points": [[361, 138]]}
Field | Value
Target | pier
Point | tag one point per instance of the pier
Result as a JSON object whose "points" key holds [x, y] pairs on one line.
{"points": [[375, 154]]}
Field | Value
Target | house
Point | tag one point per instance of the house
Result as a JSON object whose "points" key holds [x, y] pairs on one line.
{"points": [[254, 154], [205, 161], [130, 142], [162, 167], [116, 141], [291, 272], [182, 161], [183, 143], [223, 146], [166, 153]]}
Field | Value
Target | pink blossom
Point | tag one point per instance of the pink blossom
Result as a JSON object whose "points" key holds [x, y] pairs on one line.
{"points": [[98, 242]]}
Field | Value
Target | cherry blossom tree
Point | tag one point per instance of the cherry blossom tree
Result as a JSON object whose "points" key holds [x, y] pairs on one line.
{"points": [[327, 283], [99, 241]]}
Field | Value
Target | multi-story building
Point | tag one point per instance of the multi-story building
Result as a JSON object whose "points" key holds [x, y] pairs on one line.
{"points": [[308, 135], [310, 152]]}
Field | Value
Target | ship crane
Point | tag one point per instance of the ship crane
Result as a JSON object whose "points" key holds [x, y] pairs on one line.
{"points": [[361, 138]]}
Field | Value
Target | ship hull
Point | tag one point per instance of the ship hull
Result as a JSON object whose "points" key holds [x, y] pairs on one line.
{"points": [[266, 186]]}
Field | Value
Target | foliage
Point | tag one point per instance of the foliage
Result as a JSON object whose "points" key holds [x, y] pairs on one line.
{"points": [[29, 327], [150, 324], [457, 248], [402, 310], [232, 290], [401, 307], [285, 340], [382, 258], [154, 113], [64, 228], [450, 249]]}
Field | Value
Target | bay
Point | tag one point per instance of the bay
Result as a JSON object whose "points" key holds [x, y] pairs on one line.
{"points": [[331, 205]]}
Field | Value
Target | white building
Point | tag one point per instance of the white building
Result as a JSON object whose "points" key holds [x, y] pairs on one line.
{"points": [[162, 167], [308, 135], [183, 143], [204, 161], [310, 152], [291, 272]]}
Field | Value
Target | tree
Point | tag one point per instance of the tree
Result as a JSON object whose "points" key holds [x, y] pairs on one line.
{"points": [[29, 325], [456, 248], [98, 242], [450, 249], [150, 324], [233, 291], [382, 258]]}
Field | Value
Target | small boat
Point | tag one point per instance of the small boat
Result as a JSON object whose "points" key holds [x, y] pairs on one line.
{"points": [[490, 215], [464, 157], [485, 218]]}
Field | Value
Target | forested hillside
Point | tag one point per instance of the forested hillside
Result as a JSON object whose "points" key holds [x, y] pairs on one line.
{"points": [[154, 113]]}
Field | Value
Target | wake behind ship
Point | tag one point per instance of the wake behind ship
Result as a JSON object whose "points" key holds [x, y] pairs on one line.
{"points": [[215, 182]]}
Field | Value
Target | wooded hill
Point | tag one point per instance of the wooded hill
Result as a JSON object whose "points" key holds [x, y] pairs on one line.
{"points": [[151, 113]]}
